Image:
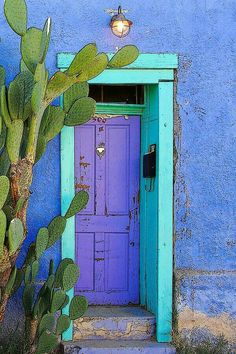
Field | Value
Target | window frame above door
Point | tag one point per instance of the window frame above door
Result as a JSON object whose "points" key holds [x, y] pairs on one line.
{"points": [[156, 71]]}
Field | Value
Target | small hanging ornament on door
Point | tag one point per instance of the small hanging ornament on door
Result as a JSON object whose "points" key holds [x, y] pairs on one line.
{"points": [[100, 150]]}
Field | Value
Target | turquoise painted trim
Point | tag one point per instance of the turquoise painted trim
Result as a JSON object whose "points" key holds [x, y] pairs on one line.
{"points": [[147, 61], [157, 123], [165, 212], [67, 193]]}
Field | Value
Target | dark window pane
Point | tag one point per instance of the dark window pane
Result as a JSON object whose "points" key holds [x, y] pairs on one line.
{"points": [[127, 94]]}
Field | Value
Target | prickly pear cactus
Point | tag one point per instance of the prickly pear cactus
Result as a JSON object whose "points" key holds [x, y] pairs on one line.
{"points": [[28, 121]]}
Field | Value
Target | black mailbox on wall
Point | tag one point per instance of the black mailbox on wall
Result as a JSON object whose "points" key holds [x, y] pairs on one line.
{"points": [[149, 162]]}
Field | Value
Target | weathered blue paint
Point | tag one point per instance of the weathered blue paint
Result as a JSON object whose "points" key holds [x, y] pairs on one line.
{"points": [[204, 132]]}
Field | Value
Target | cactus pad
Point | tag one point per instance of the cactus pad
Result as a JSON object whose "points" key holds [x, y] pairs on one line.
{"points": [[16, 15], [78, 306], [4, 107], [57, 85], [4, 162], [2, 76], [19, 95], [78, 203], [41, 241], [63, 323], [75, 92], [14, 137], [95, 68], [56, 229], [52, 122], [47, 323], [60, 270], [81, 111], [11, 281], [3, 225], [34, 269], [15, 235], [41, 147], [82, 59], [125, 56], [30, 48], [4, 190], [58, 300], [47, 342], [70, 276], [28, 296]]}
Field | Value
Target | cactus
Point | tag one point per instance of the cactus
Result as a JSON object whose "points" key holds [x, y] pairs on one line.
{"points": [[4, 190], [15, 235], [63, 323], [78, 306], [82, 59], [47, 342], [58, 299], [70, 276], [16, 15], [47, 323], [81, 111], [41, 241], [11, 281], [78, 203], [56, 229], [28, 121], [3, 225], [75, 92], [124, 56], [14, 136]]}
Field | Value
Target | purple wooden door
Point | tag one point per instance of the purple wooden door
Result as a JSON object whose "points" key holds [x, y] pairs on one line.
{"points": [[107, 231]]}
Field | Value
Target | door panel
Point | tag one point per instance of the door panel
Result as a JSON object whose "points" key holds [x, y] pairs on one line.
{"points": [[107, 231]]}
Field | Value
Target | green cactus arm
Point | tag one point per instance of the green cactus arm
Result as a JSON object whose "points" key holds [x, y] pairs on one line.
{"points": [[97, 66], [19, 95], [56, 229], [3, 134], [78, 306], [63, 323], [57, 85], [52, 122], [28, 296], [47, 323], [41, 147], [18, 280], [45, 40], [3, 225], [27, 275], [14, 137], [4, 108], [82, 59], [2, 76], [41, 241], [16, 15], [31, 48], [125, 56], [46, 343], [4, 190], [78, 203], [60, 270], [81, 111], [76, 91], [51, 267], [58, 300], [4, 162], [70, 276], [11, 281], [15, 235], [34, 270]]}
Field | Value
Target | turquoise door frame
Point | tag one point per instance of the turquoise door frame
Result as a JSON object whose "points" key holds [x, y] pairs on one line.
{"points": [[156, 72]]}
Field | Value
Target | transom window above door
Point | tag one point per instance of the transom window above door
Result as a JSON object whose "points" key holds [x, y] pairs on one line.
{"points": [[123, 94]]}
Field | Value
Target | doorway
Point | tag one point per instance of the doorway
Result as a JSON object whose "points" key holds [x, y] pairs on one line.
{"points": [[107, 164]]}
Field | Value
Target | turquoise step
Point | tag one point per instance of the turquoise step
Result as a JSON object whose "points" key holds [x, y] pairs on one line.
{"points": [[118, 347]]}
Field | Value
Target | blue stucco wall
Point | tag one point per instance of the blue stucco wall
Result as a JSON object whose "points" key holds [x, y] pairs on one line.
{"points": [[203, 34]]}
